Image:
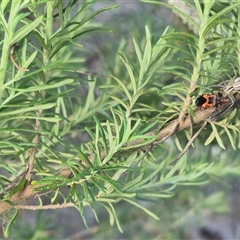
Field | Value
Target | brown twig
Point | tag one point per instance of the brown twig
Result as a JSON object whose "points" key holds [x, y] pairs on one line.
{"points": [[189, 143], [34, 149], [16, 181], [14, 62], [52, 206], [172, 131], [23, 194]]}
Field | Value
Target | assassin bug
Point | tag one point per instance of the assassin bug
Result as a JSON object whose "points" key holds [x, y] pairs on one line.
{"points": [[229, 87], [210, 100], [204, 101], [214, 100]]}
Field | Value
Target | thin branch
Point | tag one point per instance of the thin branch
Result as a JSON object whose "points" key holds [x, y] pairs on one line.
{"points": [[9, 187], [34, 149], [26, 192], [174, 128], [52, 206], [14, 62], [189, 143]]}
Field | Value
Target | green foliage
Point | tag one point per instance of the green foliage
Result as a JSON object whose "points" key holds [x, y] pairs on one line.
{"points": [[101, 129]]}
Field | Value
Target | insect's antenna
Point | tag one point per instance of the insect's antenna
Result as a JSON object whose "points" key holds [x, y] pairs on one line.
{"points": [[224, 83], [93, 73], [221, 84], [235, 73], [222, 69], [231, 79]]}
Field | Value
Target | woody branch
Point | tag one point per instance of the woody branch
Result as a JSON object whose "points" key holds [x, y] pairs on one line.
{"points": [[168, 130]]}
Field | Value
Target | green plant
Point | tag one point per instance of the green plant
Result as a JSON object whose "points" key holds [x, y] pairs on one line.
{"points": [[45, 108]]}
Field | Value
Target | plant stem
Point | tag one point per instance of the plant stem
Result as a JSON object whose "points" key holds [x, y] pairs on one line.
{"points": [[4, 61], [48, 32]]}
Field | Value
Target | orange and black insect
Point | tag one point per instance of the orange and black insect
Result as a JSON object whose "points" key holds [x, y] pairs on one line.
{"points": [[210, 100]]}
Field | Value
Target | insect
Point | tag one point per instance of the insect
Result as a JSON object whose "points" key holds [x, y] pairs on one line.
{"points": [[231, 86], [228, 87], [210, 100]]}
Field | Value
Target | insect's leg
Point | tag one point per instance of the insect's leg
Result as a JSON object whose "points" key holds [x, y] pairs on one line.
{"points": [[231, 98], [216, 114]]}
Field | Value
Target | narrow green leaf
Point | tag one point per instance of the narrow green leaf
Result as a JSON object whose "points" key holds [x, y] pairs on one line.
{"points": [[42, 87], [217, 18], [10, 223], [111, 216], [156, 195], [85, 191], [56, 194], [22, 32], [142, 208], [97, 146], [133, 182], [128, 66], [217, 136], [8, 168], [178, 144], [230, 137], [146, 57], [4, 5], [115, 217], [94, 213], [120, 101], [28, 109], [103, 135], [209, 139], [109, 183], [102, 190], [83, 156], [125, 89], [26, 65], [17, 188], [138, 52]]}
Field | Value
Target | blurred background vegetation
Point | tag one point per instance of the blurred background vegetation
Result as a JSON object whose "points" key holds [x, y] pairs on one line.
{"points": [[207, 211]]}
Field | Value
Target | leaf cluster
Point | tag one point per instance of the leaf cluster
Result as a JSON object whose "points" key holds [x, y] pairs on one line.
{"points": [[97, 136]]}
